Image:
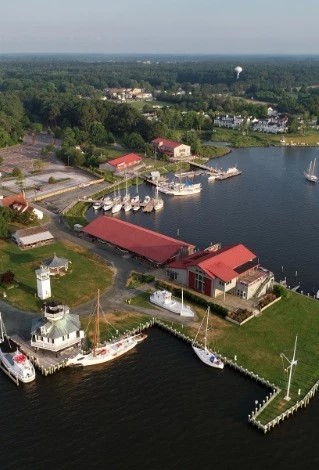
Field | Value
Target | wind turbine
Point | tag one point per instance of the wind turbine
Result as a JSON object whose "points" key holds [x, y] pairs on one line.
{"points": [[292, 363]]}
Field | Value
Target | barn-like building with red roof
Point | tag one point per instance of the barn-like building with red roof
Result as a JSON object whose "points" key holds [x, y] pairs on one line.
{"points": [[153, 246], [171, 148], [217, 270], [121, 164]]}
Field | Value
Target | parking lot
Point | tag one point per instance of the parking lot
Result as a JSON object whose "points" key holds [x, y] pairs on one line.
{"points": [[36, 184]]}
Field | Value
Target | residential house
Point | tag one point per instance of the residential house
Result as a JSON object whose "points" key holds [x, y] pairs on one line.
{"points": [[171, 148]]}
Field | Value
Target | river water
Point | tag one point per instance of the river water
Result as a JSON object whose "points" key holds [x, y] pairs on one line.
{"points": [[159, 407], [270, 208]]}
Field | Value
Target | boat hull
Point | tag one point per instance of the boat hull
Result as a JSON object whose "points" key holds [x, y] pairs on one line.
{"points": [[105, 353], [23, 371], [158, 298], [208, 358]]}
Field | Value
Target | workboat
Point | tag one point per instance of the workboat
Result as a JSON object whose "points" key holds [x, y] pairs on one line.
{"points": [[229, 173], [204, 354], [164, 299], [180, 189], [310, 174], [107, 351], [13, 361]]}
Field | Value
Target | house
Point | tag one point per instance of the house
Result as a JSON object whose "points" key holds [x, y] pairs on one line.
{"points": [[58, 329], [231, 122], [18, 202], [32, 237], [272, 125], [215, 271], [121, 164], [171, 148]]}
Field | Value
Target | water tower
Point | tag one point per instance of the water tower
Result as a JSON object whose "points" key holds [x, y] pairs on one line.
{"points": [[238, 70]]}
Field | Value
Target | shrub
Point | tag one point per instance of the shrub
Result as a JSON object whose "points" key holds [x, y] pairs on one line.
{"points": [[51, 180], [267, 299], [240, 315], [280, 291], [7, 278]]}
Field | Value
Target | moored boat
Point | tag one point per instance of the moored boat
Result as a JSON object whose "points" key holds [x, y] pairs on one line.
{"points": [[204, 354], [310, 174], [15, 363], [164, 299]]}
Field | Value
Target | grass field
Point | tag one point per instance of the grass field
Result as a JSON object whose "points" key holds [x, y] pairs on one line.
{"points": [[86, 274], [259, 343]]}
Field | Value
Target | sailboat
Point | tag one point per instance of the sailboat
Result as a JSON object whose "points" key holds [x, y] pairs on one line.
{"points": [[14, 362], [158, 201], [136, 198], [310, 174], [203, 353], [104, 352], [117, 204]]}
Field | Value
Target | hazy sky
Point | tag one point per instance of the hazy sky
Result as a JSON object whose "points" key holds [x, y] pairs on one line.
{"points": [[160, 26]]}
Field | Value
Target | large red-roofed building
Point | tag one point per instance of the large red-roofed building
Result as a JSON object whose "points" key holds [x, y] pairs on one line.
{"points": [[153, 246], [217, 270], [120, 164], [171, 148]]}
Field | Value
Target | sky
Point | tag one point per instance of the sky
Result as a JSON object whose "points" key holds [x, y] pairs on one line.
{"points": [[160, 27]]}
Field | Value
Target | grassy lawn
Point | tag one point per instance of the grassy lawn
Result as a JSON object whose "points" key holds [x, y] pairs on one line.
{"points": [[113, 324], [259, 343], [86, 274], [258, 139]]}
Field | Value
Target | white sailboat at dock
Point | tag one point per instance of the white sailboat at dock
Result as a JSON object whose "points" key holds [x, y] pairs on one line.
{"points": [[204, 354]]}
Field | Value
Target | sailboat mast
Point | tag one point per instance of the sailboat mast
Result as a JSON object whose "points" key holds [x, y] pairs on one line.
{"points": [[208, 312], [96, 335]]}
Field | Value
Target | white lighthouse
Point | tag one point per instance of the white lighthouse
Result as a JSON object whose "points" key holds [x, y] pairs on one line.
{"points": [[43, 283]]}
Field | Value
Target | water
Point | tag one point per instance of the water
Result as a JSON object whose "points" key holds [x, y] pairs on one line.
{"points": [[270, 208], [159, 407]]}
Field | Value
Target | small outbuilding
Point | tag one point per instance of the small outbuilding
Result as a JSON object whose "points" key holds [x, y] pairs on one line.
{"points": [[31, 237], [56, 265]]}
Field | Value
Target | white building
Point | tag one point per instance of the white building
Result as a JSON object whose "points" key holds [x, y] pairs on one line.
{"points": [[57, 329], [43, 283], [231, 122]]}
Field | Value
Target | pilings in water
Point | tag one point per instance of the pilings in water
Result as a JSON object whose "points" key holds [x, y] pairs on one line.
{"points": [[275, 390]]}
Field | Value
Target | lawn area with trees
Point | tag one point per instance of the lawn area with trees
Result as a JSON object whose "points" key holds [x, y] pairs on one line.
{"points": [[85, 275]]}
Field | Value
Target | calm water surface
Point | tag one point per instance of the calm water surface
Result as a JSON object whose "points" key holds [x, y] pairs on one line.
{"points": [[159, 407], [156, 408], [270, 208]]}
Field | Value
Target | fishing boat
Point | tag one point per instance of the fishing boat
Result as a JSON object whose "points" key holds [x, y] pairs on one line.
{"points": [[106, 351], [164, 299], [14, 362], [310, 174], [204, 354]]}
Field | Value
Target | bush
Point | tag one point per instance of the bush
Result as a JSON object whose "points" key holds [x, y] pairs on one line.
{"points": [[7, 278], [51, 180], [280, 291], [240, 315], [266, 299]]}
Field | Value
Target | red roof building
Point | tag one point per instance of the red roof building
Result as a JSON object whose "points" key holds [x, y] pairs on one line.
{"points": [[171, 148], [120, 164], [216, 270], [145, 243]]}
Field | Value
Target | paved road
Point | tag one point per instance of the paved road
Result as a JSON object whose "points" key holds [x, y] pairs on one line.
{"points": [[18, 321]]}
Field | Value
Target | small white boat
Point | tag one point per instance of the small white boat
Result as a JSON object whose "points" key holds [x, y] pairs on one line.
{"points": [[310, 174], [164, 299], [204, 354], [136, 207], [229, 173], [14, 361], [127, 206], [146, 200], [97, 205], [158, 201], [107, 204], [117, 206], [135, 199]]}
